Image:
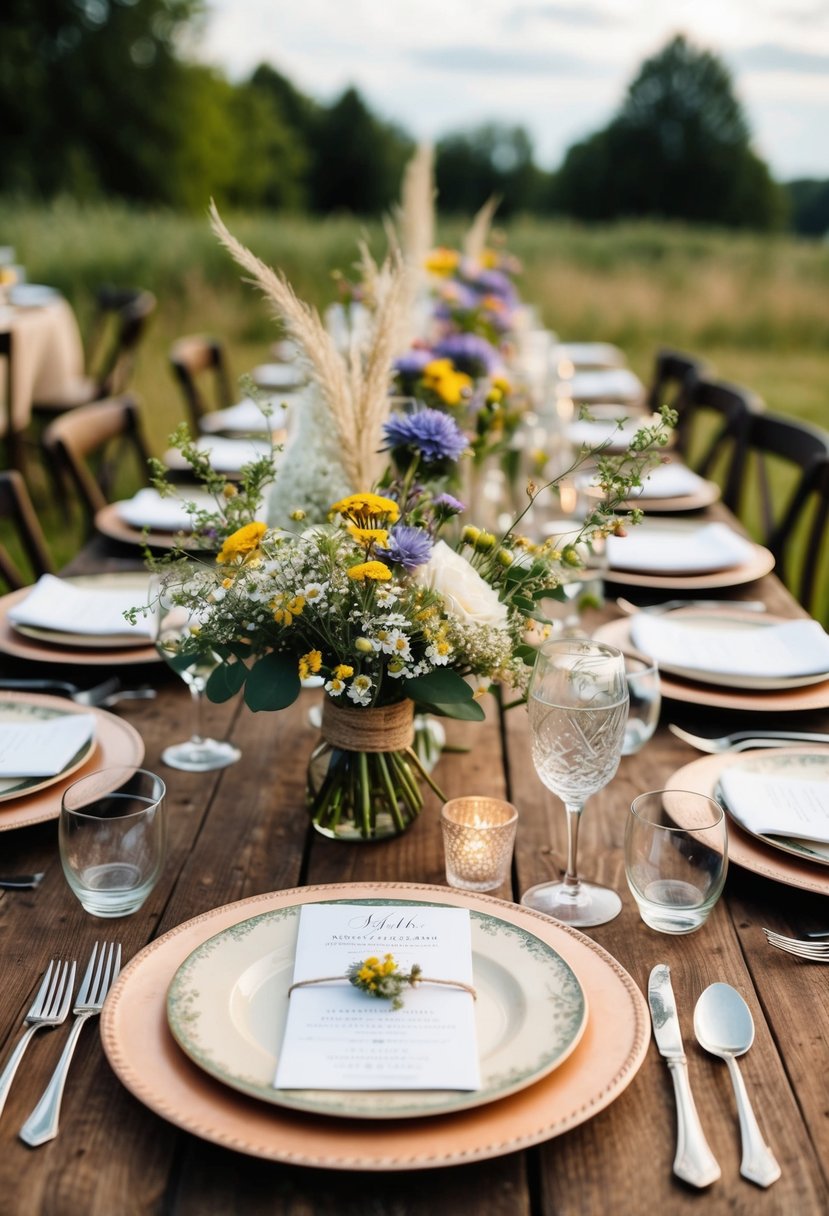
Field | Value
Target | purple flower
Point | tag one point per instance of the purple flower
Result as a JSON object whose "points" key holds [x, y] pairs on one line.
{"points": [[434, 436], [470, 353], [409, 547], [447, 505], [413, 362]]}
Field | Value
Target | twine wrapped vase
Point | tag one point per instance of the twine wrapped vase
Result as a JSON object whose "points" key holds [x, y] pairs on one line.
{"points": [[364, 778]]}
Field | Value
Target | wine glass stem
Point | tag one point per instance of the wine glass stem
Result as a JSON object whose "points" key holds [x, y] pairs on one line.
{"points": [[571, 875], [198, 714]]}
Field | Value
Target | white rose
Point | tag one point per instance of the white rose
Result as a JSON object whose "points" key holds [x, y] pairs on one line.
{"points": [[466, 595]]}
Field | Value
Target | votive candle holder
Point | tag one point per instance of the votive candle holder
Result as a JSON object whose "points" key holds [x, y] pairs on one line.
{"points": [[478, 840]]}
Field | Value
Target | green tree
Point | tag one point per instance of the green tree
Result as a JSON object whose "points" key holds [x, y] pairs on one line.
{"points": [[809, 206], [92, 93], [679, 148], [357, 160], [492, 159]]}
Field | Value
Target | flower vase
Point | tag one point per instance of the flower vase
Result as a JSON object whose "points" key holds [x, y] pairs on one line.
{"points": [[364, 777]]}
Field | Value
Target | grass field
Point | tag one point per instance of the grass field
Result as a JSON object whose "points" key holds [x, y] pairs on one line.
{"points": [[755, 307]]}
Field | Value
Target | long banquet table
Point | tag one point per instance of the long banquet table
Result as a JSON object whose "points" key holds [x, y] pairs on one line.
{"points": [[244, 831]]}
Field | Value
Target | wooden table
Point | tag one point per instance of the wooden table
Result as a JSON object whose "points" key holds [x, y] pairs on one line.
{"points": [[245, 831]]}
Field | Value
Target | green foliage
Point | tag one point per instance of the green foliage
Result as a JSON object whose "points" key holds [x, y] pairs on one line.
{"points": [[678, 148], [358, 160], [809, 202], [273, 683], [493, 159]]}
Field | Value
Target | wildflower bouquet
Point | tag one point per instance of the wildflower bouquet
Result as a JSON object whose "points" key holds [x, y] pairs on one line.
{"points": [[391, 601]]}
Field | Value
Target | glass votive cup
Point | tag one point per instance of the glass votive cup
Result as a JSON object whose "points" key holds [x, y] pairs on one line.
{"points": [[478, 839], [676, 858], [112, 837], [642, 675]]}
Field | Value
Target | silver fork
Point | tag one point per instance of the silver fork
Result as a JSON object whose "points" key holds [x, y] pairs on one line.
{"points": [[92, 697], [816, 952], [740, 740], [48, 1009], [100, 974], [670, 605]]}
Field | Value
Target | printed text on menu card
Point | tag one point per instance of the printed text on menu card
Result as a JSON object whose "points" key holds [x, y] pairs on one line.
{"points": [[338, 1037]]}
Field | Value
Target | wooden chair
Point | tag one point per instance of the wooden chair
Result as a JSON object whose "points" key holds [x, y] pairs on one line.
{"points": [[200, 366], [12, 438], [774, 459], [714, 417], [120, 324], [674, 376], [87, 448], [800, 541], [23, 532]]}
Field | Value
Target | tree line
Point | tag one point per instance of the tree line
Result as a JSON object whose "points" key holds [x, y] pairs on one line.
{"points": [[105, 97]]}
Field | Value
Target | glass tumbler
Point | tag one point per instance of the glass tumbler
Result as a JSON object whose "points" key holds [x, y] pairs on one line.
{"points": [[642, 675], [112, 838], [676, 858]]}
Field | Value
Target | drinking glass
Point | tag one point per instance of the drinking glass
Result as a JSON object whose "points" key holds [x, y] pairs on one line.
{"points": [[177, 642], [645, 702], [112, 837], [578, 704], [676, 858]]}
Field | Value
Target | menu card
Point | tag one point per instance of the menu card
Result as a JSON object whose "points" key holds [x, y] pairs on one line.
{"points": [[770, 805], [43, 748], [338, 1037], [54, 603]]}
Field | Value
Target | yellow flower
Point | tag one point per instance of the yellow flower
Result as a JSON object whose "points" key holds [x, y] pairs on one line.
{"points": [[369, 536], [375, 572], [309, 664], [242, 542], [283, 617], [296, 605], [442, 260], [229, 490], [366, 508], [441, 377], [342, 671], [363, 646]]}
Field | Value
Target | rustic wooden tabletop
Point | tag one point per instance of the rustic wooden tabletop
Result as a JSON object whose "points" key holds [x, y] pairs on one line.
{"points": [[244, 831]]}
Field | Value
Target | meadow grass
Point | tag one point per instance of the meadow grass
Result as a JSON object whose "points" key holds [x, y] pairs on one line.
{"points": [[753, 306]]}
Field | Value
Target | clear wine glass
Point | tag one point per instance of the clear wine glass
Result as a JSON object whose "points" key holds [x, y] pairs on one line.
{"points": [[177, 642], [578, 704]]}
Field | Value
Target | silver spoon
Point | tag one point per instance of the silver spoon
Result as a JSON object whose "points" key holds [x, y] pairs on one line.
{"points": [[724, 1026]]}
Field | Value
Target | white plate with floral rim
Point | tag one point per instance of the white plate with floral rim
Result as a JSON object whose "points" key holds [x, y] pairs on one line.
{"points": [[20, 710], [228, 1002], [805, 766]]}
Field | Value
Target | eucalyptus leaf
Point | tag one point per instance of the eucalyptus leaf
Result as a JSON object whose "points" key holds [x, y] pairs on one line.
{"points": [[443, 686], [226, 681], [273, 683], [465, 711]]}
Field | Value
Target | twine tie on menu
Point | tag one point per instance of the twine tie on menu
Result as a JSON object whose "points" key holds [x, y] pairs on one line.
{"points": [[383, 980]]}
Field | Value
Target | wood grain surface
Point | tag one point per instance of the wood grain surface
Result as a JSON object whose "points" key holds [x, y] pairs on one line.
{"points": [[244, 831]]}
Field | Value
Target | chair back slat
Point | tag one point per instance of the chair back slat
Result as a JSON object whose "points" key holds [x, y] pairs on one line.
{"points": [[200, 367], [18, 513]]}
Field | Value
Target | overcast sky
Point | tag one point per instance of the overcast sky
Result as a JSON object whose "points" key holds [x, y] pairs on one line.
{"points": [[559, 69]]}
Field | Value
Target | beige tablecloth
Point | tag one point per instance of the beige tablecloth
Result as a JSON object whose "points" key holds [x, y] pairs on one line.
{"points": [[47, 353]]}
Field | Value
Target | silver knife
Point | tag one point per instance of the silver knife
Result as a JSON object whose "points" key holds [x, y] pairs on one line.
{"points": [[694, 1162]]}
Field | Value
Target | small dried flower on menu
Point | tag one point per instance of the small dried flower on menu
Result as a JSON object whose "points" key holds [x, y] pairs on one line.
{"points": [[395, 595]]}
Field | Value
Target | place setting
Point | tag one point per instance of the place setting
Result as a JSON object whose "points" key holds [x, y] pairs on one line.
{"points": [[679, 555], [240, 1004], [46, 744], [671, 488], [79, 620], [730, 658], [159, 521], [775, 800]]}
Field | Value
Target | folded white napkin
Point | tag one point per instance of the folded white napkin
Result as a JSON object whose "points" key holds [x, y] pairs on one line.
{"points": [[67, 607], [669, 481], [672, 551], [770, 804], [612, 384], [592, 433], [588, 354], [279, 375], [147, 509], [43, 748], [789, 648], [246, 416]]}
